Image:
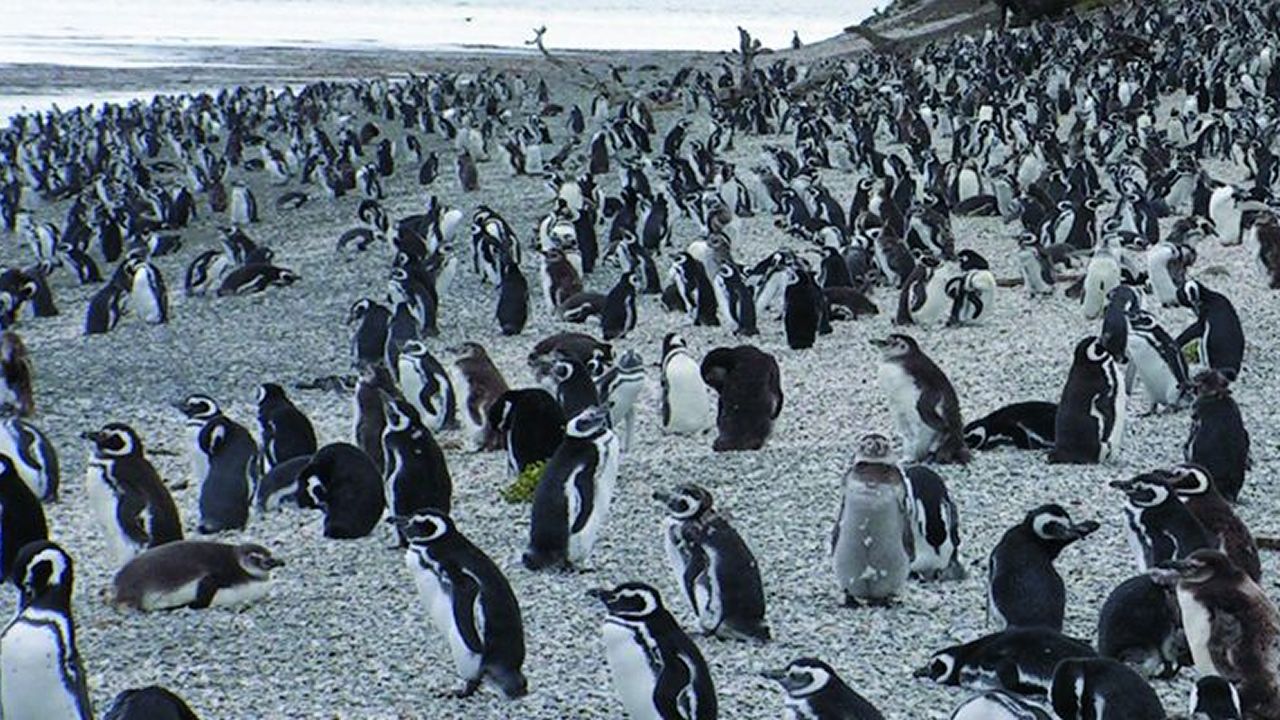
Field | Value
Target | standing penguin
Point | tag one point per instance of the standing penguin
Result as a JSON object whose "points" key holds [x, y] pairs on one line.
{"points": [[619, 314], [41, 676], [22, 518], [468, 177], [814, 690], [513, 299], [477, 384], [571, 502], [127, 496], [342, 481], [1161, 528], [695, 290], [935, 526], [1091, 414], [224, 457], [618, 389], [532, 423], [1218, 440], [658, 673], [1217, 327], [1139, 625], [1233, 629], [286, 431], [426, 385], [1102, 689], [1196, 489], [686, 403], [369, 341], [147, 293], [713, 567], [1158, 361], [571, 380], [735, 300], [416, 475], [804, 310], [871, 542], [924, 405], [470, 602], [370, 416], [1023, 587]]}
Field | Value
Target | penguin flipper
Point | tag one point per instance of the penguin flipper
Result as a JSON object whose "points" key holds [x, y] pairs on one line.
{"points": [[1225, 633], [467, 614], [929, 406], [206, 589]]}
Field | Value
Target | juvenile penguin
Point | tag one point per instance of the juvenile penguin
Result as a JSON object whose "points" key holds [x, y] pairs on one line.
{"points": [[342, 481], [533, 424], [815, 691], [196, 574], [1232, 627], [477, 384], [712, 565], [749, 384], [130, 501], [1139, 625], [286, 431], [924, 405], [1102, 689], [1218, 440], [41, 675], [1023, 425], [657, 671], [469, 601], [1019, 660], [1023, 587], [935, 526], [426, 385], [686, 403], [224, 457], [22, 518], [871, 544], [1196, 489], [1090, 421], [572, 500]]}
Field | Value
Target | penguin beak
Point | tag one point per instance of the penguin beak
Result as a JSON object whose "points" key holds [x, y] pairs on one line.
{"points": [[1084, 529], [273, 562], [398, 520], [922, 672], [600, 594], [775, 675], [91, 435], [1121, 484]]}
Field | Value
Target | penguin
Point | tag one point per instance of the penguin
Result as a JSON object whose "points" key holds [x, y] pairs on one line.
{"points": [[618, 389], [426, 385], [195, 574], [147, 293], [533, 424], [41, 674], [1161, 528], [1195, 487], [618, 316], [935, 526], [416, 476], [1101, 276], [686, 402], [583, 348], [1167, 265], [131, 503], [148, 703], [33, 456], [1023, 587], [1139, 625], [735, 300], [656, 669], [513, 300], [16, 394], [255, 278], [971, 294], [1158, 362], [749, 385], [571, 503], [1022, 425], [368, 343], [871, 545], [1019, 660], [468, 177], [1214, 698], [713, 567], [370, 417], [469, 601], [1267, 231], [924, 405], [1218, 440], [1217, 327], [1102, 689], [1232, 627], [22, 518], [476, 383], [280, 486], [1226, 214], [814, 690], [923, 299], [699, 298], [1035, 266], [574, 387], [105, 309], [224, 459], [1090, 421], [244, 206], [342, 481], [804, 310], [286, 431], [998, 705]]}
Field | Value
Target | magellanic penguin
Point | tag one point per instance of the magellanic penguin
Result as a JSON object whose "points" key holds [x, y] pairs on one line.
{"points": [[1218, 440], [572, 500], [814, 690], [1158, 361], [1102, 689], [657, 670], [998, 705], [619, 387], [477, 383], [1215, 698], [686, 403], [33, 455], [147, 294], [416, 475], [1019, 660], [749, 384], [713, 566], [22, 518], [41, 675], [533, 424], [1232, 627], [871, 544], [1139, 625], [1023, 425], [922, 401], [341, 480], [1023, 587], [224, 459], [196, 574], [1197, 490], [16, 394], [935, 526], [1091, 413], [1217, 327], [286, 431], [127, 496], [426, 384], [512, 312], [1161, 528], [148, 703], [469, 600], [619, 314]]}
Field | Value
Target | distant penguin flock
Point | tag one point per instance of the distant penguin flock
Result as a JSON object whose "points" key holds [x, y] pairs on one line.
{"points": [[694, 244]]}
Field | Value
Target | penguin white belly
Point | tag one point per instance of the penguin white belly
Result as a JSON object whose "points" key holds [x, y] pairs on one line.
{"points": [[903, 394], [144, 300], [473, 430], [1157, 379], [440, 607], [633, 680], [770, 294], [411, 384], [33, 477], [1102, 276], [103, 501], [199, 461], [581, 543], [870, 559], [32, 686], [688, 400], [174, 597], [1197, 623], [241, 594], [936, 301], [1158, 259], [708, 603]]}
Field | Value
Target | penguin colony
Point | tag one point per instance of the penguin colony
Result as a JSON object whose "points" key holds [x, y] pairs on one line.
{"points": [[759, 494]]}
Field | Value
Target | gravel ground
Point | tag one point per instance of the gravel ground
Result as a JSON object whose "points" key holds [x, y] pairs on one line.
{"points": [[343, 635]]}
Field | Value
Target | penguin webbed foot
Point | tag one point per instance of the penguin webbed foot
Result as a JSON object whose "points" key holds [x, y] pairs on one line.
{"points": [[465, 690]]}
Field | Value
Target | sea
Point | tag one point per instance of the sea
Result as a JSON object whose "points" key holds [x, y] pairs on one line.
{"points": [[169, 33]]}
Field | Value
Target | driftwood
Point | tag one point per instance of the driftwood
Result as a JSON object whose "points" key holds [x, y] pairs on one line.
{"points": [[590, 80]]}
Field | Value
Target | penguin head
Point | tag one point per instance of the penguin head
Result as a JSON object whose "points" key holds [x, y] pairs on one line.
{"points": [[198, 407], [114, 440], [943, 668], [270, 393], [1190, 480], [588, 423], [424, 527], [413, 349], [312, 492], [686, 501], [896, 346], [629, 601], [802, 678], [467, 351], [1051, 524], [1215, 697], [1189, 295], [1147, 490], [1211, 383], [256, 560], [39, 568], [672, 342], [401, 416], [1200, 567], [1092, 351], [873, 448]]}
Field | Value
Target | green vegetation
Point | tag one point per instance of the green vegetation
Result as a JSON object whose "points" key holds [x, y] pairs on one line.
{"points": [[521, 489]]}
